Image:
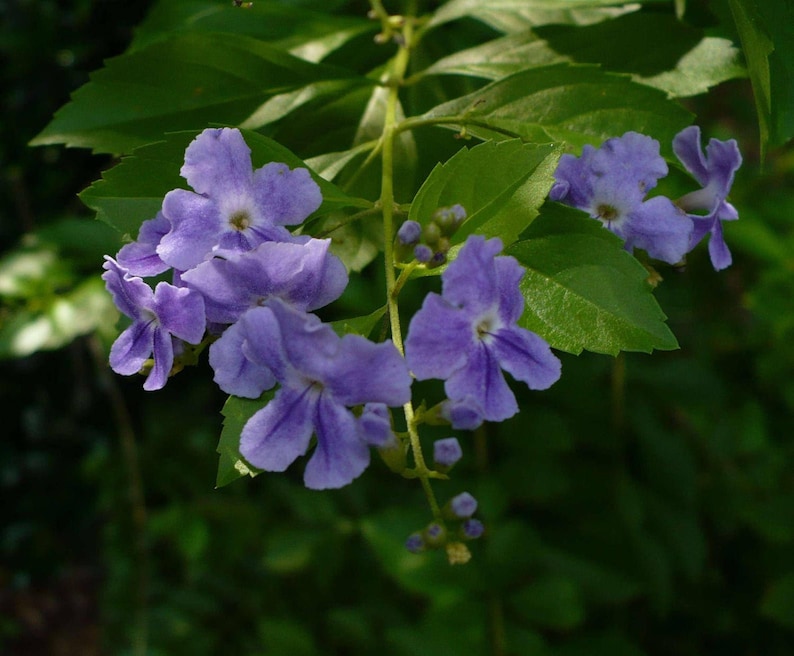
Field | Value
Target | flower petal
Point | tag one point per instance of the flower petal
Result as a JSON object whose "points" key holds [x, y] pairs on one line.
{"points": [[686, 146], [661, 229], [470, 280], [482, 381], [140, 257], [180, 311], [439, 339], [132, 348], [341, 455], [163, 351], [218, 160], [195, 226], [363, 372], [718, 250], [234, 372], [527, 357], [280, 432], [284, 196], [130, 294]]}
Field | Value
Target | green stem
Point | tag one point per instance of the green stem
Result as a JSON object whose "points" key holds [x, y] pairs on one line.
{"points": [[399, 67]]}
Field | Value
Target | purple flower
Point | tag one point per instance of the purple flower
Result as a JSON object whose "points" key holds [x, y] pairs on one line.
{"points": [[140, 257], [715, 172], [321, 375], [610, 184], [305, 275], [234, 208], [375, 426], [468, 334], [157, 316]]}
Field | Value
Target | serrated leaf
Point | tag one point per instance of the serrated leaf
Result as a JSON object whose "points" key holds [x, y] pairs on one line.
{"points": [[133, 190], [560, 102], [584, 291], [516, 15], [500, 184], [655, 49], [236, 412], [186, 82]]}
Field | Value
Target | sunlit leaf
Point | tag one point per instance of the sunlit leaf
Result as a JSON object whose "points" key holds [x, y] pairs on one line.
{"points": [[236, 412], [500, 184], [576, 104], [186, 82], [640, 44], [584, 291]]}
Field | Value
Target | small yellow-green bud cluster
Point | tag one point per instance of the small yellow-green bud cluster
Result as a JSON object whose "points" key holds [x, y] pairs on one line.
{"points": [[430, 243]]}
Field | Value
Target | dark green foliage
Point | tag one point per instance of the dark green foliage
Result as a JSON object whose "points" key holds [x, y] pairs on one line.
{"points": [[644, 506]]}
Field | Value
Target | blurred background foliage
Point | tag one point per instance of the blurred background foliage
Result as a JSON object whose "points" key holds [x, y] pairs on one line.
{"points": [[643, 505]]}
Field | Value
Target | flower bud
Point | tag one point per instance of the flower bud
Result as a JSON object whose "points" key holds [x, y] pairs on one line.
{"points": [[462, 506], [409, 233], [435, 535], [415, 543], [449, 219], [458, 553], [472, 529], [446, 453], [423, 253], [431, 233]]}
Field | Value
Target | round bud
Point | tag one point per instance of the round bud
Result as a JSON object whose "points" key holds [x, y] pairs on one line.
{"points": [[472, 529], [462, 506], [446, 453], [415, 543], [431, 233], [409, 233], [423, 253]]}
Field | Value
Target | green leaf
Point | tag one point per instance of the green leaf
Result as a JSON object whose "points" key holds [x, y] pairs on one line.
{"points": [[306, 34], [584, 291], [236, 412], [550, 602], [577, 104], [57, 320], [187, 82], [656, 49], [778, 601], [359, 325], [501, 184], [765, 33], [133, 190], [516, 15]]}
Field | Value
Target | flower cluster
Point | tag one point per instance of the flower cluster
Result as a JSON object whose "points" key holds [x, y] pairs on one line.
{"points": [[242, 282], [244, 285], [610, 183]]}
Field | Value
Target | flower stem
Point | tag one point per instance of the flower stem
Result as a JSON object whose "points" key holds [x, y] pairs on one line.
{"points": [[397, 75]]}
